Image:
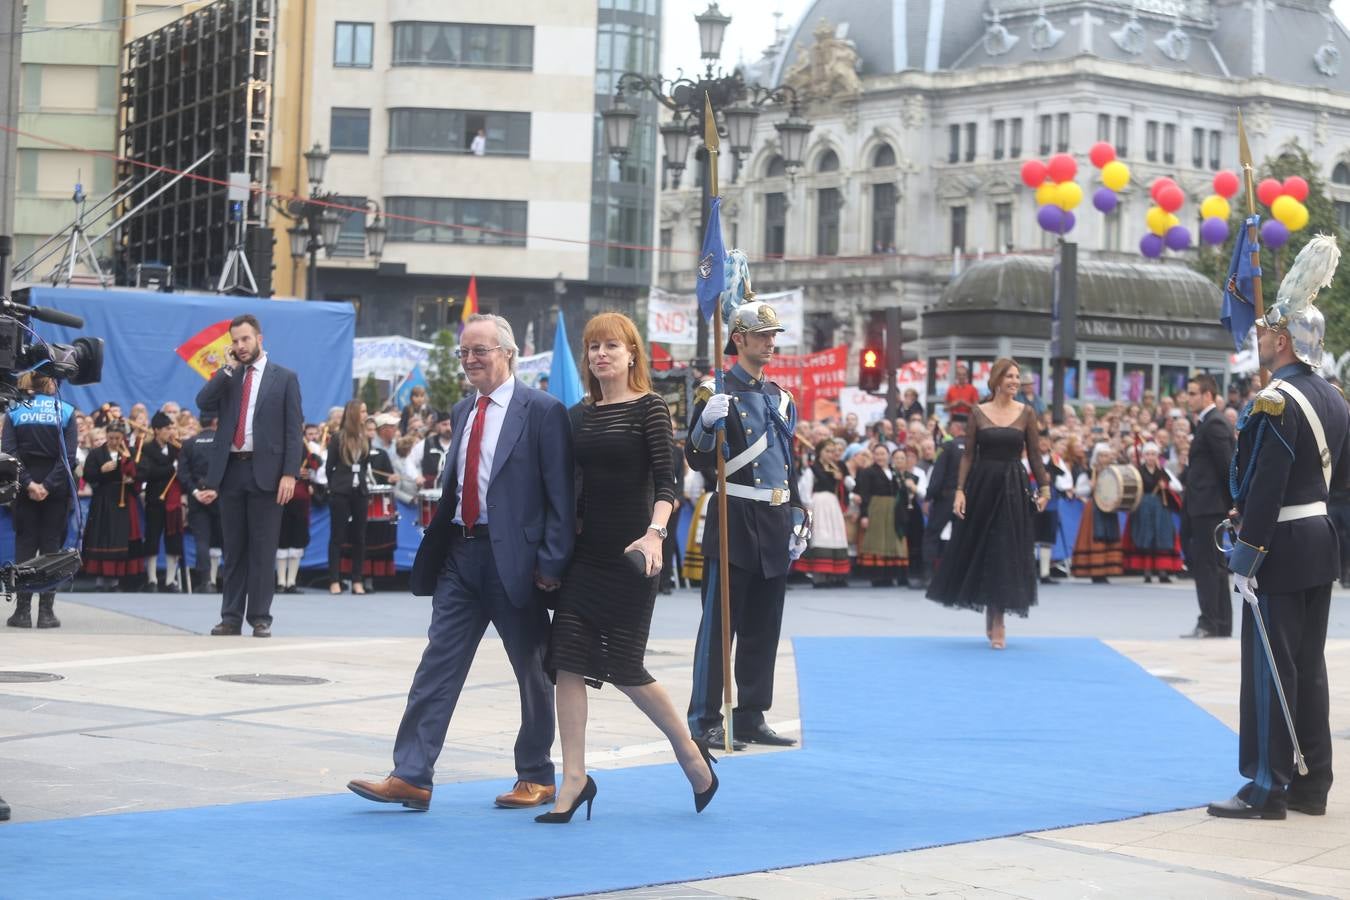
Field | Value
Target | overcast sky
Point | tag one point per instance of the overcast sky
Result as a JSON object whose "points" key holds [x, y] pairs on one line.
{"points": [[750, 31]]}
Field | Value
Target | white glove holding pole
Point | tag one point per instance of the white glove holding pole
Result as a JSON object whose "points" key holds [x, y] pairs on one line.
{"points": [[1246, 586], [796, 547], [715, 410]]}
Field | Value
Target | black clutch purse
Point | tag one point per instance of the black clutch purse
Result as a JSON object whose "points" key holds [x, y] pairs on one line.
{"points": [[638, 560]]}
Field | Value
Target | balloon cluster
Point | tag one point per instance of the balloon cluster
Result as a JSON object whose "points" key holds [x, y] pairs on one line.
{"points": [[1215, 210], [1115, 175], [1057, 194], [1165, 230], [1286, 206]]}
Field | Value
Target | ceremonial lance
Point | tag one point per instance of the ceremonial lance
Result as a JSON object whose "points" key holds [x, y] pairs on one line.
{"points": [[1253, 240]]}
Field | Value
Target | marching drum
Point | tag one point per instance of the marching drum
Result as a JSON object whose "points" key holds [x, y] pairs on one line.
{"points": [[380, 506], [428, 500], [1118, 488]]}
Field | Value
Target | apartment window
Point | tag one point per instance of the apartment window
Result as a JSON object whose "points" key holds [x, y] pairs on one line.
{"points": [[1122, 136], [1062, 133], [1343, 216], [27, 173], [1198, 148], [351, 240], [776, 168], [623, 221], [1111, 230], [1003, 227], [1151, 141], [829, 162], [827, 222], [775, 224], [883, 157], [457, 221], [453, 131], [970, 141], [1047, 126], [1215, 143], [958, 228], [1103, 127], [353, 45], [667, 241], [1000, 136], [883, 217], [1015, 143], [953, 143], [349, 130], [463, 45], [1169, 151]]}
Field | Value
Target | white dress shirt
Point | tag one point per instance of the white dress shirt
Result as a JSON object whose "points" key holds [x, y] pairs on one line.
{"points": [[498, 401], [257, 366]]}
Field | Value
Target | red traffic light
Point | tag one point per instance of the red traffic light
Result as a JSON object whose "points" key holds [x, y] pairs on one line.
{"points": [[869, 369], [871, 359]]}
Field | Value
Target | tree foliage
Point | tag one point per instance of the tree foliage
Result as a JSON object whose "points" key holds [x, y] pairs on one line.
{"points": [[443, 370], [370, 394]]}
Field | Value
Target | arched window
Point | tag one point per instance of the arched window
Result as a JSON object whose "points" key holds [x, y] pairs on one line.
{"points": [[883, 156], [1340, 174], [829, 162], [776, 168]]}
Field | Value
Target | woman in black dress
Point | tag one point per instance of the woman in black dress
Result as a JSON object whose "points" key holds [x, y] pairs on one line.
{"points": [[627, 491], [348, 471], [112, 535], [989, 564]]}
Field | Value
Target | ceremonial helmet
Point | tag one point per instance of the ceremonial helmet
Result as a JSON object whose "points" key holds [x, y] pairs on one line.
{"points": [[1293, 311], [752, 318]]}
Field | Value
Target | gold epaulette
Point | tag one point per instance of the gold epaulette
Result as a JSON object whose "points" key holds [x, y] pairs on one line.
{"points": [[1270, 402], [704, 390]]}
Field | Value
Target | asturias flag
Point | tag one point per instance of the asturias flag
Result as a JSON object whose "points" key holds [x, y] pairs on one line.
{"points": [[1239, 309], [712, 272], [403, 393], [205, 350], [470, 303]]}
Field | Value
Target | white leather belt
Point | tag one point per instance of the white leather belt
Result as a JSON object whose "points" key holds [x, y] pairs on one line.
{"points": [[1302, 511], [771, 496]]}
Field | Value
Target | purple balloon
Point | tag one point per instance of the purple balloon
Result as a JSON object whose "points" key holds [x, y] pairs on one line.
{"points": [[1105, 199], [1151, 246], [1274, 234], [1214, 231], [1178, 237], [1051, 218], [1069, 222]]}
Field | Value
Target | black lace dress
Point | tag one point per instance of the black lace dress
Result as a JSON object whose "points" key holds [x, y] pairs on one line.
{"points": [[623, 455], [990, 561]]}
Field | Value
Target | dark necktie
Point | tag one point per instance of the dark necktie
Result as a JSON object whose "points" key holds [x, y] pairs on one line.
{"points": [[469, 507], [243, 409]]}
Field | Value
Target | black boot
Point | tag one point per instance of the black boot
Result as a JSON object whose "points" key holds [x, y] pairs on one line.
{"points": [[23, 616], [4, 810], [47, 618]]}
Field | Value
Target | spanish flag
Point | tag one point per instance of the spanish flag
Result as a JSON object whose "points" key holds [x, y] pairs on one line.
{"points": [[470, 303], [205, 350]]}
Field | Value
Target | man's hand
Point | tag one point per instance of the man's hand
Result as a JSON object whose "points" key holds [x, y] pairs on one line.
{"points": [[959, 505], [1246, 586], [545, 583], [715, 410], [108, 466], [36, 491], [393, 478], [205, 496], [285, 489], [796, 547], [1042, 500]]}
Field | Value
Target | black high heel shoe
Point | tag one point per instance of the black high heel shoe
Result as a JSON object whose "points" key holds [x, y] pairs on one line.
{"points": [[586, 796], [703, 798]]}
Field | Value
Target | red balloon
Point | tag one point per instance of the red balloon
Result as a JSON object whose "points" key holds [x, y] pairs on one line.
{"points": [[1101, 153], [1158, 185], [1268, 190], [1062, 167], [1033, 173], [1296, 187], [1170, 197], [1226, 184]]}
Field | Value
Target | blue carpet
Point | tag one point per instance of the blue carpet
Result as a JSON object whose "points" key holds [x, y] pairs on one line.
{"points": [[908, 742]]}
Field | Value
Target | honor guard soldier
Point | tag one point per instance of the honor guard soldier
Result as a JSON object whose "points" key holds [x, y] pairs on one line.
{"points": [[203, 510], [1292, 449], [762, 502]]}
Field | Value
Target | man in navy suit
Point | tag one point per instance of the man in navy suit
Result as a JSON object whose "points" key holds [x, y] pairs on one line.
{"points": [[252, 468], [503, 532]]}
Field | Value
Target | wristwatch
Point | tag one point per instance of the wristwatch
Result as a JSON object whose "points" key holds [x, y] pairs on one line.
{"points": [[659, 529]]}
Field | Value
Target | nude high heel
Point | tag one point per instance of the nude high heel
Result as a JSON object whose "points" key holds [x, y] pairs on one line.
{"points": [[998, 637]]}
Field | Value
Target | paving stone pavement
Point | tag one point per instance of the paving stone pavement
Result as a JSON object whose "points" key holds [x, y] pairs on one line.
{"points": [[140, 721]]}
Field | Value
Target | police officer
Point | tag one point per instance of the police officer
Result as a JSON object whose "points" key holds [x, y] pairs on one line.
{"points": [[761, 543], [36, 433], [157, 466], [1292, 448], [203, 508]]}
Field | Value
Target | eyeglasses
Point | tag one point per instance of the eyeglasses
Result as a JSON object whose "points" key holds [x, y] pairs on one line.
{"points": [[475, 352]]}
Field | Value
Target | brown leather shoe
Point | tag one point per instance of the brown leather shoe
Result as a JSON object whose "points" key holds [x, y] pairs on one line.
{"points": [[392, 790], [526, 794]]}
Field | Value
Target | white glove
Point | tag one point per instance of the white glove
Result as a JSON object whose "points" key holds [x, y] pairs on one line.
{"points": [[715, 410], [1246, 586], [796, 547]]}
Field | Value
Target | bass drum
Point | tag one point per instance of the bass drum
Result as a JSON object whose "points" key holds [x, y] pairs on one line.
{"points": [[1118, 488]]}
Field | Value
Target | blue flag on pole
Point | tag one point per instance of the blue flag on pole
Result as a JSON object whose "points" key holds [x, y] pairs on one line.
{"points": [[563, 380], [1239, 307], [712, 274], [403, 393]]}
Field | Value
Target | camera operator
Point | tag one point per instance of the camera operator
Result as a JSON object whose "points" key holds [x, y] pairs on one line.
{"points": [[35, 433]]}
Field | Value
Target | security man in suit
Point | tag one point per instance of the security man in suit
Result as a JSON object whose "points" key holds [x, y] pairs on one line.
{"points": [[1293, 448], [203, 508], [762, 500], [942, 492], [254, 466], [1205, 503]]}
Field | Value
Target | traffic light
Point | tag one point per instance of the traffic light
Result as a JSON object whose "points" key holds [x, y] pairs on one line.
{"points": [[870, 370]]}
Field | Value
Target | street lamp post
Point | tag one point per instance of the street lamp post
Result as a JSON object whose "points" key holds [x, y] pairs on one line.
{"points": [[318, 224], [733, 102]]}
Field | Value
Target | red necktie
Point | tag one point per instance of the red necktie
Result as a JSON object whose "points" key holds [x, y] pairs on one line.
{"points": [[469, 506], [243, 409]]}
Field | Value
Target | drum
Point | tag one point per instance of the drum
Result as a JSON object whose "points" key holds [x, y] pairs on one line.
{"points": [[428, 500], [1118, 488], [380, 505]]}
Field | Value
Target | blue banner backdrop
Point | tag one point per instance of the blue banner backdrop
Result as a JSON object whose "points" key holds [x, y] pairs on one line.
{"points": [[149, 335]]}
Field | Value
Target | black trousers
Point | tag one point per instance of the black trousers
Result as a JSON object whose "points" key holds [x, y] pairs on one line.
{"points": [[157, 528], [1297, 625], [250, 523], [756, 621], [39, 527], [1212, 589], [347, 526], [204, 523]]}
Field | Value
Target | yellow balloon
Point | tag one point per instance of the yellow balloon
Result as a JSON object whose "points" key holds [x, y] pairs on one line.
{"points": [[1068, 195], [1046, 193], [1215, 207], [1283, 209], [1157, 220], [1297, 218], [1115, 175], [1172, 221]]}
